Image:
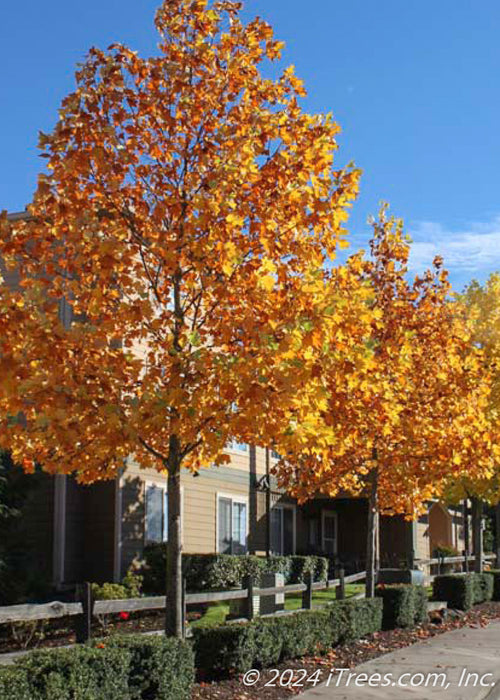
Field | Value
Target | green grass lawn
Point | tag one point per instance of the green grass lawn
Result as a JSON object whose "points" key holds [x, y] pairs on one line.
{"points": [[217, 612]]}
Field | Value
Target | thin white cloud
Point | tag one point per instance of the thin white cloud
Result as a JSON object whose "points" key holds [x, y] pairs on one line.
{"points": [[476, 248]]}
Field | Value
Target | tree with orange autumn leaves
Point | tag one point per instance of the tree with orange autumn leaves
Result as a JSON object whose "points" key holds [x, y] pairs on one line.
{"points": [[176, 294], [184, 225], [404, 401], [482, 304]]}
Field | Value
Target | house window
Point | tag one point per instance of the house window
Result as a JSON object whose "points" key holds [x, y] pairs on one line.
{"points": [[329, 529], [237, 446], [232, 525], [275, 455], [283, 529], [156, 524]]}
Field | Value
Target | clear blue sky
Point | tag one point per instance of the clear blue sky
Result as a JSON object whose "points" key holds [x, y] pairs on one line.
{"points": [[414, 84]]}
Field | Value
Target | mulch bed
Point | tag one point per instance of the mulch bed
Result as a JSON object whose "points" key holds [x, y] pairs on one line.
{"points": [[343, 656], [40, 635]]}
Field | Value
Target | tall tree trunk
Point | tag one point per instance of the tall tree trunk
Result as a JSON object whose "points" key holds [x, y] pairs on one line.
{"points": [[465, 510], [477, 533], [174, 623], [373, 535], [268, 502]]}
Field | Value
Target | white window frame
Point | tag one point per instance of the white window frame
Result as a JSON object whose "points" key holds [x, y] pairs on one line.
{"points": [[329, 514], [292, 507], [163, 486], [234, 498]]}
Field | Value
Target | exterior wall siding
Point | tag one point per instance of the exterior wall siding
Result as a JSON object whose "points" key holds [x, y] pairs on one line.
{"points": [[199, 504]]}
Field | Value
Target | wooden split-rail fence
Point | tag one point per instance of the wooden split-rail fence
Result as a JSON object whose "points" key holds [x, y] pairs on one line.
{"points": [[83, 610]]}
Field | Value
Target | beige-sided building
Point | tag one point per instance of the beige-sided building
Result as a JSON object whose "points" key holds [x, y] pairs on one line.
{"points": [[72, 533]]}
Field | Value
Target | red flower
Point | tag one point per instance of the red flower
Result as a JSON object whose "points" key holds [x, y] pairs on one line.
{"points": [[124, 616]]}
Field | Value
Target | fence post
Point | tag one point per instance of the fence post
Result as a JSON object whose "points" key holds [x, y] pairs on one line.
{"points": [[307, 594], [466, 561], [248, 584], [340, 591], [84, 621]]}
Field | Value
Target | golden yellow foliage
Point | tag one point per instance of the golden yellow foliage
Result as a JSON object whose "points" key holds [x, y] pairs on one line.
{"points": [[403, 392]]}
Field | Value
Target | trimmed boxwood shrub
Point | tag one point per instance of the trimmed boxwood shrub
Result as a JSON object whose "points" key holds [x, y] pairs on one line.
{"points": [[134, 667], [265, 642], [304, 632], [14, 684], [225, 649], [405, 605], [462, 591], [495, 574], [222, 571], [79, 672], [456, 589], [353, 619], [160, 668], [300, 566], [421, 600], [483, 587]]}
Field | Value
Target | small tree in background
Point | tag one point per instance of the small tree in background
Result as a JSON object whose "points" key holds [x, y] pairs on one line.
{"points": [[404, 402], [482, 303]]}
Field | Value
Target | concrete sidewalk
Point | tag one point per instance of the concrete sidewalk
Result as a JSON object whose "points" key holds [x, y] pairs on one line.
{"points": [[454, 654]]}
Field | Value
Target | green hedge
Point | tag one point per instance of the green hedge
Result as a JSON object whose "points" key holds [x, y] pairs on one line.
{"points": [[404, 605], [421, 600], [160, 668], [462, 591], [495, 574], [483, 587], [79, 672], [267, 641], [14, 684], [122, 668], [221, 571]]}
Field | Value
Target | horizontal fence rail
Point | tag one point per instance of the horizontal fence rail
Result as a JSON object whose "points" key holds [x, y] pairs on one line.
{"points": [[355, 577], [86, 608], [453, 560], [43, 611], [215, 596], [105, 607]]}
